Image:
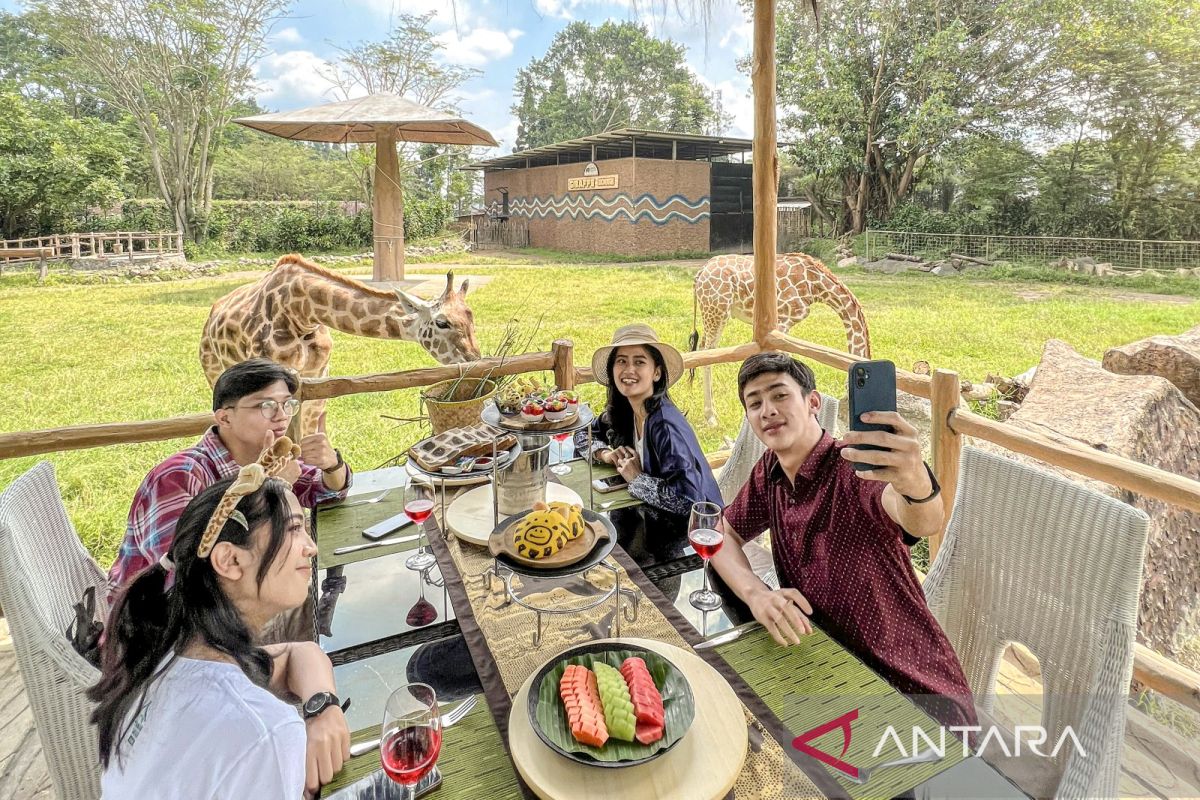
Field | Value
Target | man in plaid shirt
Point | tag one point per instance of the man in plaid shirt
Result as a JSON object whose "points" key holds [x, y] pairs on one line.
{"points": [[253, 403]]}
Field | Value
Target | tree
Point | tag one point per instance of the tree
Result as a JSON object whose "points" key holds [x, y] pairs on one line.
{"points": [[177, 69], [264, 167], [52, 166], [882, 86], [596, 79]]}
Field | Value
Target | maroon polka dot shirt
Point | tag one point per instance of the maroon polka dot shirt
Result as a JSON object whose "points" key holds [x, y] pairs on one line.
{"points": [[833, 541]]}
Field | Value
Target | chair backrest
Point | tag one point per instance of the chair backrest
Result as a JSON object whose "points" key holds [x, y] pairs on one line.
{"points": [[43, 571], [1032, 557], [747, 450]]}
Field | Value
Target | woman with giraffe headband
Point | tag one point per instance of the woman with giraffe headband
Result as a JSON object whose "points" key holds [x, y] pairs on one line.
{"points": [[188, 703]]}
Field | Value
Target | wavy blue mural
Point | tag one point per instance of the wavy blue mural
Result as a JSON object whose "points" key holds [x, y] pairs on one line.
{"points": [[623, 206]]}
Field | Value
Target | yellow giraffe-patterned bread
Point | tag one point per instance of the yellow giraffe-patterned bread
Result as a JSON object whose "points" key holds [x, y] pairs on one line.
{"points": [[541, 534], [573, 514]]}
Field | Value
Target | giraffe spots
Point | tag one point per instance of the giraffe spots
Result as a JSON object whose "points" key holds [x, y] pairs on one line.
{"points": [[371, 327], [394, 329]]}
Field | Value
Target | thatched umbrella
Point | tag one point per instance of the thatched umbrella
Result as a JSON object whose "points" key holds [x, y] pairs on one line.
{"points": [[382, 120]]}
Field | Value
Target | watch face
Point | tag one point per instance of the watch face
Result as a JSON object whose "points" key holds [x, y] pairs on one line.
{"points": [[316, 702]]}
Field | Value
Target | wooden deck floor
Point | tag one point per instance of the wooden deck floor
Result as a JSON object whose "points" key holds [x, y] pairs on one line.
{"points": [[1156, 764]]}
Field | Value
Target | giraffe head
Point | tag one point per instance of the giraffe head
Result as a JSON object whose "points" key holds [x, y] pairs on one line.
{"points": [[445, 326]]}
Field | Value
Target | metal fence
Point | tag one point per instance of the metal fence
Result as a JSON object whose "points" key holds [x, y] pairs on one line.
{"points": [[1043, 250]]}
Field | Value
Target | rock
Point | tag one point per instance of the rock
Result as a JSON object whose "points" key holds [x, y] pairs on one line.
{"points": [[1006, 408], [888, 266], [1146, 419], [943, 271], [921, 368], [849, 261], [1176, 358]]}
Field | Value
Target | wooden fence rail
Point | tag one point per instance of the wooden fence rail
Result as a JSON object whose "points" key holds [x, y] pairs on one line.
{"points": [[104, 243]]}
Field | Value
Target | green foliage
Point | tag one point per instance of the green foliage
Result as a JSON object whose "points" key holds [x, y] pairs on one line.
{"points": [[52, 167], [595, 79], [257, 166], [278, 227]]}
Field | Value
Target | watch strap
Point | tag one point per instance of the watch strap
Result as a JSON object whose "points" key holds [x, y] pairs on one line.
{"points": [[937, 489]]}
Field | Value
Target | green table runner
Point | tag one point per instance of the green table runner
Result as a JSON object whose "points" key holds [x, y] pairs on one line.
{"points": [[809, 684], [577, 480], [474, 762]]}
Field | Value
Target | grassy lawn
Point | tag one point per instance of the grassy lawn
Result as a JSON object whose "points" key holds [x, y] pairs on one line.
{"points": [[100, 353]]}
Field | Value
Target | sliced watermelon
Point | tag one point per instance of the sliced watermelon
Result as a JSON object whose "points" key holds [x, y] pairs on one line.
{"points": [[647, 702], [581, 699]]}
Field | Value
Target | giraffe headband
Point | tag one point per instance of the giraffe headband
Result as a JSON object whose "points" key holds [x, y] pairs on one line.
{"points": [[271, 462]]}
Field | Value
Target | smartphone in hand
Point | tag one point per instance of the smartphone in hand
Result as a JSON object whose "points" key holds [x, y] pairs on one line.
{"points": [[871, 387]]}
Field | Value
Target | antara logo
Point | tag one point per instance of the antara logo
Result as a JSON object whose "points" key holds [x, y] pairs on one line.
{"points": [[1032, 737]]}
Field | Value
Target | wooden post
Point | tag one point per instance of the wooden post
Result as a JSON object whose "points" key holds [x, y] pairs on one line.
{"points": [[42, 268], [131, 247], [564, 363], [945, 396], [388, 209], [762, 76], [74, 245]]}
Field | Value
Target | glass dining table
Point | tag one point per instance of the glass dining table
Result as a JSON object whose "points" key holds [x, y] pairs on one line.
{"points": [[384, 625]]}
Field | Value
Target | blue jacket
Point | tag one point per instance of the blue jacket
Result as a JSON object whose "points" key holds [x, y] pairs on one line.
{"points": [[675, 473]]}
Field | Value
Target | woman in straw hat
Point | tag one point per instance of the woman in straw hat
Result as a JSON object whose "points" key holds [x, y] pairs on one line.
{"points": [[188, 703], [641, 432]]}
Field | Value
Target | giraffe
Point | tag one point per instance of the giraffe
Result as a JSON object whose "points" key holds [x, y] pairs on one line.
{"points": [[287, 314], [724, 287]]}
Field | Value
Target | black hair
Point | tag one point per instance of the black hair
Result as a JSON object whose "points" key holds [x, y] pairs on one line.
{"points": [[248, 377], [148, 622], [775, 362], [618, 414]]}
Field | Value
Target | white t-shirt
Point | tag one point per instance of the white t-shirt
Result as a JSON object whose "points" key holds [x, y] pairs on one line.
{"points": [[206, 731]]}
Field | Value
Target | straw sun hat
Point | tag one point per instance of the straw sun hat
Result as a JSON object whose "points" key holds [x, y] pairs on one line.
{"points": [[638, 333]]}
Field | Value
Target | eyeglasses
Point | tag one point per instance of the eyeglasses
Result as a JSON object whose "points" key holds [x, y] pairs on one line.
{"points": [[271, 408]]}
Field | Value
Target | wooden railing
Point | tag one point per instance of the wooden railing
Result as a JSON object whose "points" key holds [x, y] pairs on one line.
{"points": [[950, 421], [86, 245]]}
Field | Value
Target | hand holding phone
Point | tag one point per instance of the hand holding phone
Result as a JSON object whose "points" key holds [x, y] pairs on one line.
{"points": [[872, 387]]}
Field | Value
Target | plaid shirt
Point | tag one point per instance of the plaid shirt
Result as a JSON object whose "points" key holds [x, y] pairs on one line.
{"points": [[170, 486]]}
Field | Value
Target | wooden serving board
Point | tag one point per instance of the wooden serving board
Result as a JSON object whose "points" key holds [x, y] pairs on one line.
{"points": [[572, 552], [470, 515], [703, 766]]}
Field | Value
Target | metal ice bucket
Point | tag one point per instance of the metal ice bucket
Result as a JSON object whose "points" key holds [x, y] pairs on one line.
{"points": [[523, 483]]}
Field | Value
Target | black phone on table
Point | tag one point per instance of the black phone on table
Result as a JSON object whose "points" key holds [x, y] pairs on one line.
{"points": [[872, 387], [610, 484]]}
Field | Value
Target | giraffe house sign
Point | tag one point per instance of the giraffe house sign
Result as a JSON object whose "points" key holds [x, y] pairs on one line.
{"points": [[591, 180]]}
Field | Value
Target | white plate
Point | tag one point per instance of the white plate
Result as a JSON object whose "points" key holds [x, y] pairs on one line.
{"points": [[470, 515]]}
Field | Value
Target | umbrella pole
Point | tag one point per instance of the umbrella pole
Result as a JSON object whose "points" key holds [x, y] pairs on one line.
{"points": [[766, 176], [388, 209]]}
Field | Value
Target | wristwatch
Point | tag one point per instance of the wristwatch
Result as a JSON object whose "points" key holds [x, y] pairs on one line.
{"points": [[340, 463], [937, 489], [320, 701]]}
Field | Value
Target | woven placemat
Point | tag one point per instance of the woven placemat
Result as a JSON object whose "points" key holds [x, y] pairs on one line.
{"points": [[473, 762], [818, 680], [336, 527]]}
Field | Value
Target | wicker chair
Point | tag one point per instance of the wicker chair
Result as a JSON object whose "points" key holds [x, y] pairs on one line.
{"points": [[43, 572], [747, 450], [1034, 558]]}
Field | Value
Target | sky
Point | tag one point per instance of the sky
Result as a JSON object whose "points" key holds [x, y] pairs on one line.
{"points": [[497, 37]]}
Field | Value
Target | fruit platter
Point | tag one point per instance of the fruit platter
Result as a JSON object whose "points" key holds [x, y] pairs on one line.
{"points": [[551, 537], [610, 706], [527, 405]]}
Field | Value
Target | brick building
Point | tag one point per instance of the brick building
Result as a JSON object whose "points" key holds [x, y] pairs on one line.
{"points": [[626, 191]]}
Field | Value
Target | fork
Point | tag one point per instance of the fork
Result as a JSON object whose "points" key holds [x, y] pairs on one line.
{"points": [[448, 719], [368, 501]]}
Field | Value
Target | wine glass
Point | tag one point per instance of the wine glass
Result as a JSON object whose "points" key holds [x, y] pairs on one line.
{"points": [[418, 508], [562, 467], [704, 534], [411, 737]]}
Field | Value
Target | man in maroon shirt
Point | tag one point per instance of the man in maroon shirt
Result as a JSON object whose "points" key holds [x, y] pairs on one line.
{"points": [[840, 538]]}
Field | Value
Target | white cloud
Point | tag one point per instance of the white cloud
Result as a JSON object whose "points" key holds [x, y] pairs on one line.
{"points": [[736, 101], [477, 47], [506, 135], [445, 12], [292, 79], [555, 9], [288, 35]]}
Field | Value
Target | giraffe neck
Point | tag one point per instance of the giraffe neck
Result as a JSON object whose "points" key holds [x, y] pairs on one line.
{"points": [[835, 294], [317, 298]]}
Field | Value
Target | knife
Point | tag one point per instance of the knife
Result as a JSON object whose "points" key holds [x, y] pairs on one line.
{"points": [[727, 636], [354, 548]]}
